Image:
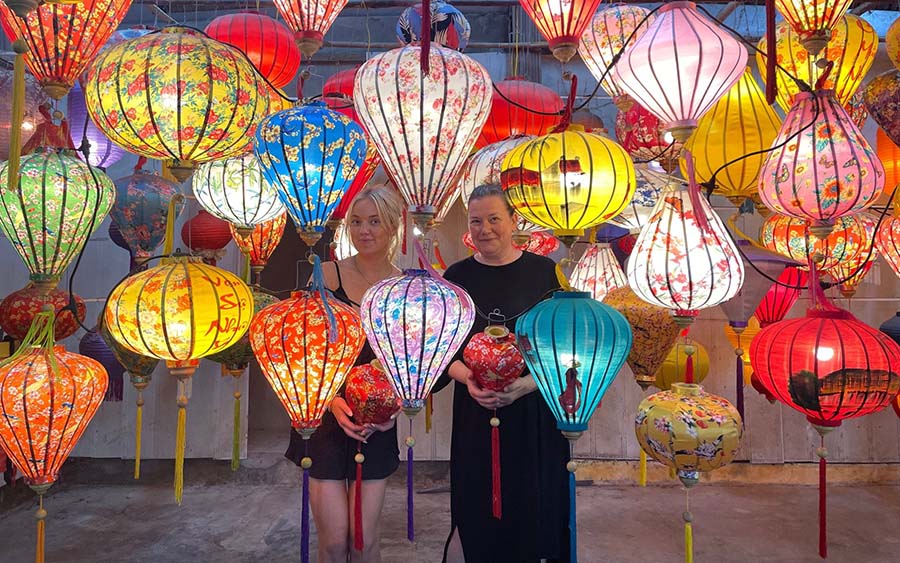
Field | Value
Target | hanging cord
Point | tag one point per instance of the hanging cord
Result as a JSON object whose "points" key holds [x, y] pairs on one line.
{"points": [[570, 103], [318, 284], [425, 38], [822, 453], [771, 82]]}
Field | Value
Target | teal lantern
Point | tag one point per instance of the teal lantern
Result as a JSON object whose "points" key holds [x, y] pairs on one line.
{"points": [[310, 154], [141, 211], [574, 347]]}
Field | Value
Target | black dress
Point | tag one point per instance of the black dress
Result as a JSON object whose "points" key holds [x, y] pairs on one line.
{"points": [[533, 452], [332, 451]]}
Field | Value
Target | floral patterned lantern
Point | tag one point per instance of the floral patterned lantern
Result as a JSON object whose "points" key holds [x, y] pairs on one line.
{"points": [[63, 37], [781, 296], [310, 20], [202, 105], [424, 125], [310, 154], [142, 210], [32, 99], [561, 22], [19, 309], [812, 20], [179, 312], [568, 181], [448, 26], [606, 37], [794, 239], [650, 183], [852, 49], [102, 152], [541, 243], [857, 110], [268, 43], [847, 177], [597, 271], [507, 120], [644, 136], [674, 368], [259, 245], [740, 123], [58, 203], [206, 236], [881, 95], [48, 398], [679, 51], [574, 347], [848, 275]]}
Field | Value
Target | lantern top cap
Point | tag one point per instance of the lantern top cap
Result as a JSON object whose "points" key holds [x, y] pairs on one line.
{"points": [[572, 295], [669, 6], [415, 272], [686, 389], [837, 314], [571, 128]]}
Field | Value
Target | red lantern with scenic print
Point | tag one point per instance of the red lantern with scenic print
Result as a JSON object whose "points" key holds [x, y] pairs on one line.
{"points": [[507, 119]]}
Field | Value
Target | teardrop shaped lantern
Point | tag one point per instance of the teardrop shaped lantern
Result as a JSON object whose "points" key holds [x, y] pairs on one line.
{"points": [[561, 22], [236, 191], [424, 126], [813, 20], [63, 37], [644, 136], [310, 154], [102, 152], [568, 181], [507, 120], [650, 181], [310, 20], [260, 243], [606, 37], [682, 64], [447, 26], [597, 271], [794, 239], [141, 210], [58, 204], [848, 275], [204, 107], [781, 296], [740, 123], [852, 49], [823, 168], [887, 240]]}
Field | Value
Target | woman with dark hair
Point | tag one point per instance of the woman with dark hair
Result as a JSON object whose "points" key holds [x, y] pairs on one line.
{"points": [[504, 282]]}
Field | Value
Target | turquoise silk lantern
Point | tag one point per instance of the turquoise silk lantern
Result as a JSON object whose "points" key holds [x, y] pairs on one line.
{"points": [[310, 154], [574, 347]]}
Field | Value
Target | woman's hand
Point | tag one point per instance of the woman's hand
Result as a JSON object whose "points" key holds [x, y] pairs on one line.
{"points": [[383, 427], [342, 413], [485, 398], [515, 390]]}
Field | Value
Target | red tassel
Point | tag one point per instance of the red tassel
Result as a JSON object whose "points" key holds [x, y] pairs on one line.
{"points": [[496, 499], [689, 369], [358, 542], [823, 534], [771, 85], [425, 32]]}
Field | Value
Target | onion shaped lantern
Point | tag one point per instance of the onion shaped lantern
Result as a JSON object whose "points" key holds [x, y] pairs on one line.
{"points": [[259, 245], [507, 120], [605, 38], [63, 38], [310, 154], [650, 182], [568, 181], [145, 203], [848, 275], [101, 152], [794, 239], [574, 347], [781, 296], [268, 43], [644, 136], [448, 26], [235, 190], [19, 309], [423, 125], [826, 171], [57, 205], [179, 312], [597, 271], [203, 103], [680, 66], [310, 20], [561, 22], [813, 20]]}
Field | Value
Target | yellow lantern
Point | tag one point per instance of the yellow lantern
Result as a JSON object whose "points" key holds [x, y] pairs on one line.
{"points": [[199, 101], [180, 312], [674, 368], [852, 49], [741, 341], [892, 42], [568, 181], [740, 123]]}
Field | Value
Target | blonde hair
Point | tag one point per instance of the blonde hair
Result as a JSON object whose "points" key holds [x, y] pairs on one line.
{"points": [[390, 211]]}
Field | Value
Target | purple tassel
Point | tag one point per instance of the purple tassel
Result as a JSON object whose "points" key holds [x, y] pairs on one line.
{"points": [[739, 381], [115, 389], [410, 528], [304, 520]]}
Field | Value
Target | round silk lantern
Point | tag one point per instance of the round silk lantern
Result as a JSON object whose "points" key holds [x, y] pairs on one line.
{"points": [[207, 236], [204, 107], [259, 245], [644, 136], [448, 26], [424, 125], [740, 123], [93, 346], [49, 397], [561, 22], [679, 51], [34, 97], [852, 48], [574, 347], [102, 152], [881, 95], [63, 38], [812, 20], [19, 309], [235, 190], [310, 155], [268, 43], [179, 312], [57, 205], [568, 181], [597, 271], [650, 183], [889, 155], [847, 177], [605, 38], [508, 120], [310, 20], [674, 368], [781, 296], [337, 92], [142, 210], [794, 238]]}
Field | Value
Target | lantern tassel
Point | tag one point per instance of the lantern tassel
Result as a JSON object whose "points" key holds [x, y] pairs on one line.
{"points": [[688, 538], [496, 490], [566, 119], [318, 284], [823, 521], [236, 433], [689, 368], [169, 241], [739, 378], [771, 86], [694, 193], [358, 539], [138, 426], [179, 450], [304, 519], [642, 469], [18, 114], [41, 516], [573, 530], [410, 515], [429, 409], [425, 54]]}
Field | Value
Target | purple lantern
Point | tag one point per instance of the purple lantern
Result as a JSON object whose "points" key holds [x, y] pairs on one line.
{"points": [[93, 346], [102, 152]]}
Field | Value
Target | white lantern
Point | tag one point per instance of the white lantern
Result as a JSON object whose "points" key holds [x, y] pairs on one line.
{"points": [[235, 190]]}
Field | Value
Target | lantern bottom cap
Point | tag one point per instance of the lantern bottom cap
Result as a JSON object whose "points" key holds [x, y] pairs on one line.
{"points": [[41, 488], [56, 89], [564, 51], [182, 169], [816, 41]]}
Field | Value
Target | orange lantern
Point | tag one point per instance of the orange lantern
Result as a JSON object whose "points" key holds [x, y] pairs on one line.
{"points": [[812, 20], [310, 20], [561, 22], [260, 243], [792, 238], [48, 398], [889, 155]]}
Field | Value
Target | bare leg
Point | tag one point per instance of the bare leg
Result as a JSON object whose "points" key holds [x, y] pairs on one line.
{"points": [[454, 549], [328, 500], [372, 503]]}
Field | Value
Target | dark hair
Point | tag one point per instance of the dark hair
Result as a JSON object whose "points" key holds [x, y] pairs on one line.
{"points": [[491, 190]]}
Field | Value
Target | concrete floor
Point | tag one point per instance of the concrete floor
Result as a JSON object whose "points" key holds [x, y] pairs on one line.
{"points": [[98, 515]]}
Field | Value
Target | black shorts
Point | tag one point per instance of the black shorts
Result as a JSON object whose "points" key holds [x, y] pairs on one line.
{"points": [[332, 452]]}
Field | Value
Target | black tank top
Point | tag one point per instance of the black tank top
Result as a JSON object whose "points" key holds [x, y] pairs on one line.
{"points": [[366, 355]]}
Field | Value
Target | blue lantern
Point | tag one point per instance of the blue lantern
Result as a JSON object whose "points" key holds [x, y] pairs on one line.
{"points": [[449, 27], [574, 347], [310, 154]]}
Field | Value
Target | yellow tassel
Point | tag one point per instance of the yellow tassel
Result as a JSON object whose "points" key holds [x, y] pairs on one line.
{"points": [[138, 425], [688, 543], [41, 515], [166, 171], [179, 453], [236, 437], [562, 279], [18, 114], [672, 474], [428, 412], [642, 469], [245, 272]]}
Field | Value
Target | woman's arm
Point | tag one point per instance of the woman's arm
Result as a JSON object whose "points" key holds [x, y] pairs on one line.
{"points": [[461, 373]]}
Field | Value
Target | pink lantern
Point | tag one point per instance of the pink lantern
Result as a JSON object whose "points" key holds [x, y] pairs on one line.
{"points": [[423, 125], [823, 168], [781, 296], [682, 64], [598, 271]]}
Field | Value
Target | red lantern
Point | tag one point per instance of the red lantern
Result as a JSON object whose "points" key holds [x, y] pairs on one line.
{"points": [[268, 43], [644, 136], [310, 20], [207, 236], [561, 22], [508, 120], [541, 243], [259, 245], [781, 296], [18, 310]]}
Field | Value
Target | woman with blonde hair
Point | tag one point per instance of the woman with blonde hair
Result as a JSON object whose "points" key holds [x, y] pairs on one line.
{"points": [[373, 223]]}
